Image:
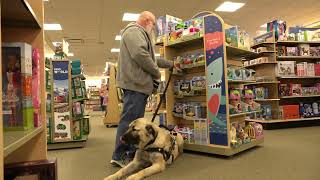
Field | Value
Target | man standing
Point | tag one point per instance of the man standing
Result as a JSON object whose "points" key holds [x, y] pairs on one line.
{"points": [[138, 67]]}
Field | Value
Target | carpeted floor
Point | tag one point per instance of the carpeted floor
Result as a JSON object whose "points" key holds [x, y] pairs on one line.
{"points": [[287, 154]]}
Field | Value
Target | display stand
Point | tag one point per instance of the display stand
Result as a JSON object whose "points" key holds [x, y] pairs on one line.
{"points": [[67, 125], [22, 21], [213, 130], [273, 54], [94, 99], [113, 113]]}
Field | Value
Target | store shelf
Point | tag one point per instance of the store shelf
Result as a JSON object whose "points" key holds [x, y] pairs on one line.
{"points": [[299, 77], [69, 144], [266, 82], [242, 114], [263, 44], [79, 99], [221, 150], [234, 52], [266, 99], [298, 42], [15, 139], [308, 96], [22, 15], [240, 81], [283, 120], [80, 75], [297, 57], [253, 65], [187, 41]]}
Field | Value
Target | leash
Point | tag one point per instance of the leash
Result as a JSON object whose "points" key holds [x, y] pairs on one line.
{"points": [[162, 96]]}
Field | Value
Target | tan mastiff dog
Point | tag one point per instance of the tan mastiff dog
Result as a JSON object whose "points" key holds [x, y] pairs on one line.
{"points": [[156, 147]]}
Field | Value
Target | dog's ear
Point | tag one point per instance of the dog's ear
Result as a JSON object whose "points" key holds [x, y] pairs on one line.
{"points": [[151, 130]]}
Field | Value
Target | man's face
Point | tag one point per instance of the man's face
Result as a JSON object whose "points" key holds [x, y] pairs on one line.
{"points": [[151, 24]]}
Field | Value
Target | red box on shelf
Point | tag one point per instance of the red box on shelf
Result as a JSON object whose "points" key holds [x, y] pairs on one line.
{"points": [[290, 111], [317, 69]]}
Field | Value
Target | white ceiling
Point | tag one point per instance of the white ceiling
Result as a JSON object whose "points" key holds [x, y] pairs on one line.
{"points": [[97, 22]]}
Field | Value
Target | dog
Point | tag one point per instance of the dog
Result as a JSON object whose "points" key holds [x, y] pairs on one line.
{"points": [[156, 148]]}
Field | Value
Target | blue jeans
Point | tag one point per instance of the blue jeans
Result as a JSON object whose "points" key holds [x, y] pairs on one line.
{"points": [[134, 104]]}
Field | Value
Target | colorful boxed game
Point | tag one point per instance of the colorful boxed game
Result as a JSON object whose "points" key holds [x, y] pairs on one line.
{"points": [[292, 51], [77, 132], [178, 109], [290, 111], [260, 93], [266, 111], [301, 70], [317, 68], [315, 51], [17, 86], [237, 38], [286, 68], [284, 90], [198, 83], [77, 110], [310, 69], [166, 24], [279, 27], [304, 49], [295, 90], [282, 51]]}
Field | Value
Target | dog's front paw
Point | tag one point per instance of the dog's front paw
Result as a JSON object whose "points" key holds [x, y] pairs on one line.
{"points": [[134, 177], [111, 177]]}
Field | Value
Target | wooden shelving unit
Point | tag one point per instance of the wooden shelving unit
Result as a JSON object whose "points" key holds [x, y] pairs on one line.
{"points": [[218, 142], [22, 21], [276, 100]]}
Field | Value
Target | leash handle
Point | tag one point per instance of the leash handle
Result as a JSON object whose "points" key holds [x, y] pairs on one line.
{"points": [[162, 97]]}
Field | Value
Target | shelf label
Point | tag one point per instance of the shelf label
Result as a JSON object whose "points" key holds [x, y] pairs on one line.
{"points": [[216, 90]]}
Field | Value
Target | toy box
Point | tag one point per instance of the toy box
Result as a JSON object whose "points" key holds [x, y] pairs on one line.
{"points": [[261, 49], [295, 90], [248, 74], [77, 132], [237, 38], [314, 51], [17, 86], [185, 88], [279, 27], [301, 70], [317, 68], [266, 111], [235, 73], [310, 69], [260, 93], [164, 25], [306, 110], [198, 83], [284, 90], [304, 49], [282, 51], [290, 111], [292, 51], [76, 82], [286, 68]]}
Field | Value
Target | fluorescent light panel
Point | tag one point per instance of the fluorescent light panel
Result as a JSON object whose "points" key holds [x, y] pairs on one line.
{"points": [[264, 25], [229, 6], [56, 43], [115, 50], [52, 27], [70, 54], [130, 17], [118, 38], [157, 55]]}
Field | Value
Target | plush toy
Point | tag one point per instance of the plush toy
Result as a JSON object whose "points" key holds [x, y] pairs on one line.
{"points": [[258, 129], [315, 108], [250, 131], [234, 99], [248, 99], [241, 134], [233, 134]]}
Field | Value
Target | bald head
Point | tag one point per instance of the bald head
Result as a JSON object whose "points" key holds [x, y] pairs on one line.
{"points": [[147, 20]]}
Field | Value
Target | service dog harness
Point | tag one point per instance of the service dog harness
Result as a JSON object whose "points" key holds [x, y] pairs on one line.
{"points": [[166, 154]]}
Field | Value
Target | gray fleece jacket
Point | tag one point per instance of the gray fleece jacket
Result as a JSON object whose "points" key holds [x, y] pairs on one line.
{"points": [[137, 63]]}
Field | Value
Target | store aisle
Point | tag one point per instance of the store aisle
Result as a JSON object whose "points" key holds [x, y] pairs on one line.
{"points": [[287, 154]]}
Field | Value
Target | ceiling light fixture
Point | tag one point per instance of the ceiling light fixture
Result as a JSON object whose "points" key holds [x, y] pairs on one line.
{"points": [[130, 17], [229, 6], [115, 50], [52, 27], [70, 54], [118, 37], [157, 55]]}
